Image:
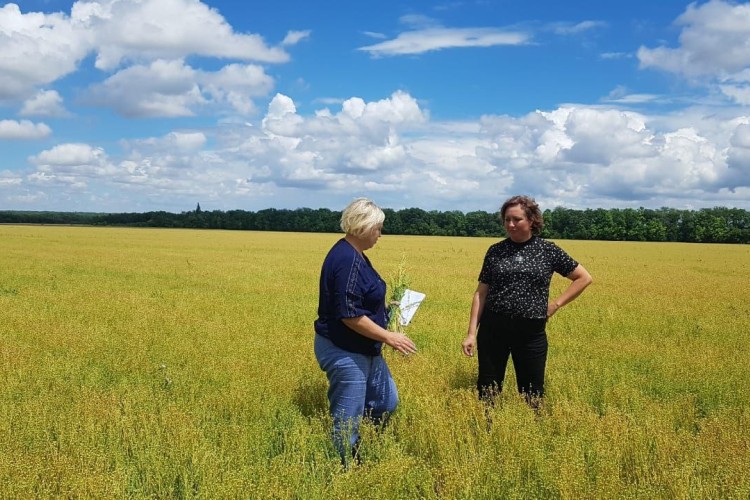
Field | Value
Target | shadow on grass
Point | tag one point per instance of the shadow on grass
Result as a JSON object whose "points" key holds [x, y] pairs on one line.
{"points": [[310, 396], [464, 376]]}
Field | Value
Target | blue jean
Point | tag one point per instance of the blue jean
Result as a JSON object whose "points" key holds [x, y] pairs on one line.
{"points": [[358, 386]]}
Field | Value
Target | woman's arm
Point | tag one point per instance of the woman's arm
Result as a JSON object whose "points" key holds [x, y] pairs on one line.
{"points": [[580, 278], [368, 328], [477, 306]]}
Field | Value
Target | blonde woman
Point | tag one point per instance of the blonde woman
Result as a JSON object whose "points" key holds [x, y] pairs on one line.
{"points": [[350, 329]]}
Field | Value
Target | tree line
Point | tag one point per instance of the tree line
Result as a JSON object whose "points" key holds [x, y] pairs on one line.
{"points": [[708, 225]]}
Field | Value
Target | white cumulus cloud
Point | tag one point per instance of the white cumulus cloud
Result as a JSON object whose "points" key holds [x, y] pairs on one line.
{"points": [[164, 89], [44, 103], [390, 149], [599, 154], [37, 49], [713, 42], [236, 84], [134, 31], [73, 159], [172, 88], [167, 29], [24, 129], [69, 155]]}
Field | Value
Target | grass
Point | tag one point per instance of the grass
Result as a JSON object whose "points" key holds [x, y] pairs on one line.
{"points": [[149, 363]]}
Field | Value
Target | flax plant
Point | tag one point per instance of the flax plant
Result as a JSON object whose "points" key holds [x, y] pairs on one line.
{"points": [[178, 364], [399, 283]]}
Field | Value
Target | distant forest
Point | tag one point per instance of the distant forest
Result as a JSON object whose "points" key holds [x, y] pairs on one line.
{"points": [[710, 225]]}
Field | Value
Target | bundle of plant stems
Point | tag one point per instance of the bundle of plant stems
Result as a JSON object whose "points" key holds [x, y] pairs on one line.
{"points": [[399, 283]]}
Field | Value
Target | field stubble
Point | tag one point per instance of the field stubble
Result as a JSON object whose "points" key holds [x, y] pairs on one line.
{"points": [[178, 364]]}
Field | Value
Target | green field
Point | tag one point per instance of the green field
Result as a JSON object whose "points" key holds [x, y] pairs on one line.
{"points": [[149, 363]]}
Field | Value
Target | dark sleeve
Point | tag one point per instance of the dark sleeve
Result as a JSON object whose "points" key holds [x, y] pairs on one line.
{"points": [[485, 275], [562, 263], [348, 290]]}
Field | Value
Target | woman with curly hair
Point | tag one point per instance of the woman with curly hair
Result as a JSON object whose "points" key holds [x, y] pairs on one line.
{"points": [[512, 303]]}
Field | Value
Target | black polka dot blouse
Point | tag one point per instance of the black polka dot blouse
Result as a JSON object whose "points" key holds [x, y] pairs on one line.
{"points": [[519, 276]]}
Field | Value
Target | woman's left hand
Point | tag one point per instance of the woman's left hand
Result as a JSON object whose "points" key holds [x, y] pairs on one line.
{"points": [[552, 308], [580, 278]]}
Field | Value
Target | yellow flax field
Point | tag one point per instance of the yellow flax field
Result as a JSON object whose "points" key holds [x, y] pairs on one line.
{"points": [[156, 363]]}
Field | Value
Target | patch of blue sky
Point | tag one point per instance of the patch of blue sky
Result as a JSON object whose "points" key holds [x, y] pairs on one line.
{"points": [[468, 77]]}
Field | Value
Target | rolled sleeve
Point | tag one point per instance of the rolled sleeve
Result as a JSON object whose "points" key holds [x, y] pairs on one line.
{"points": [[349, 292], [562, 263], [485, 274]]}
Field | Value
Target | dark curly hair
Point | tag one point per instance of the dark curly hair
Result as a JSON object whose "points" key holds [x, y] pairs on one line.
{"points": [[530, 207]]}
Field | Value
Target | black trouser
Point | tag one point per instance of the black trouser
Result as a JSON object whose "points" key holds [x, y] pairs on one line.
{"points": [[525, 340]]}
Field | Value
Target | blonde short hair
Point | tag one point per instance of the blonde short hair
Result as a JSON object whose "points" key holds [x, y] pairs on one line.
{"points": [[361, 216]]}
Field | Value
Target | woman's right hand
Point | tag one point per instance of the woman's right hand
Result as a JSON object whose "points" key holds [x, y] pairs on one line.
{"points": [[470, 345], [401, 343]]}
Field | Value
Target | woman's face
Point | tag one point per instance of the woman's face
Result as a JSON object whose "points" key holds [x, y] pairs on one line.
{"points": [[369, 239], [517, 224]]}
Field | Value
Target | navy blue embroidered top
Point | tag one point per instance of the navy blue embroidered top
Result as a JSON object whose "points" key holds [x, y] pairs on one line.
{"points": [[349, 287]]}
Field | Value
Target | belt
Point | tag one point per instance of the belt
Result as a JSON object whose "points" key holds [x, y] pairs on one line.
{"points": [[488, 315]]}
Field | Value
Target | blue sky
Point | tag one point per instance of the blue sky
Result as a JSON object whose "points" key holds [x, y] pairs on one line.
{"points": [[134, 105]]}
